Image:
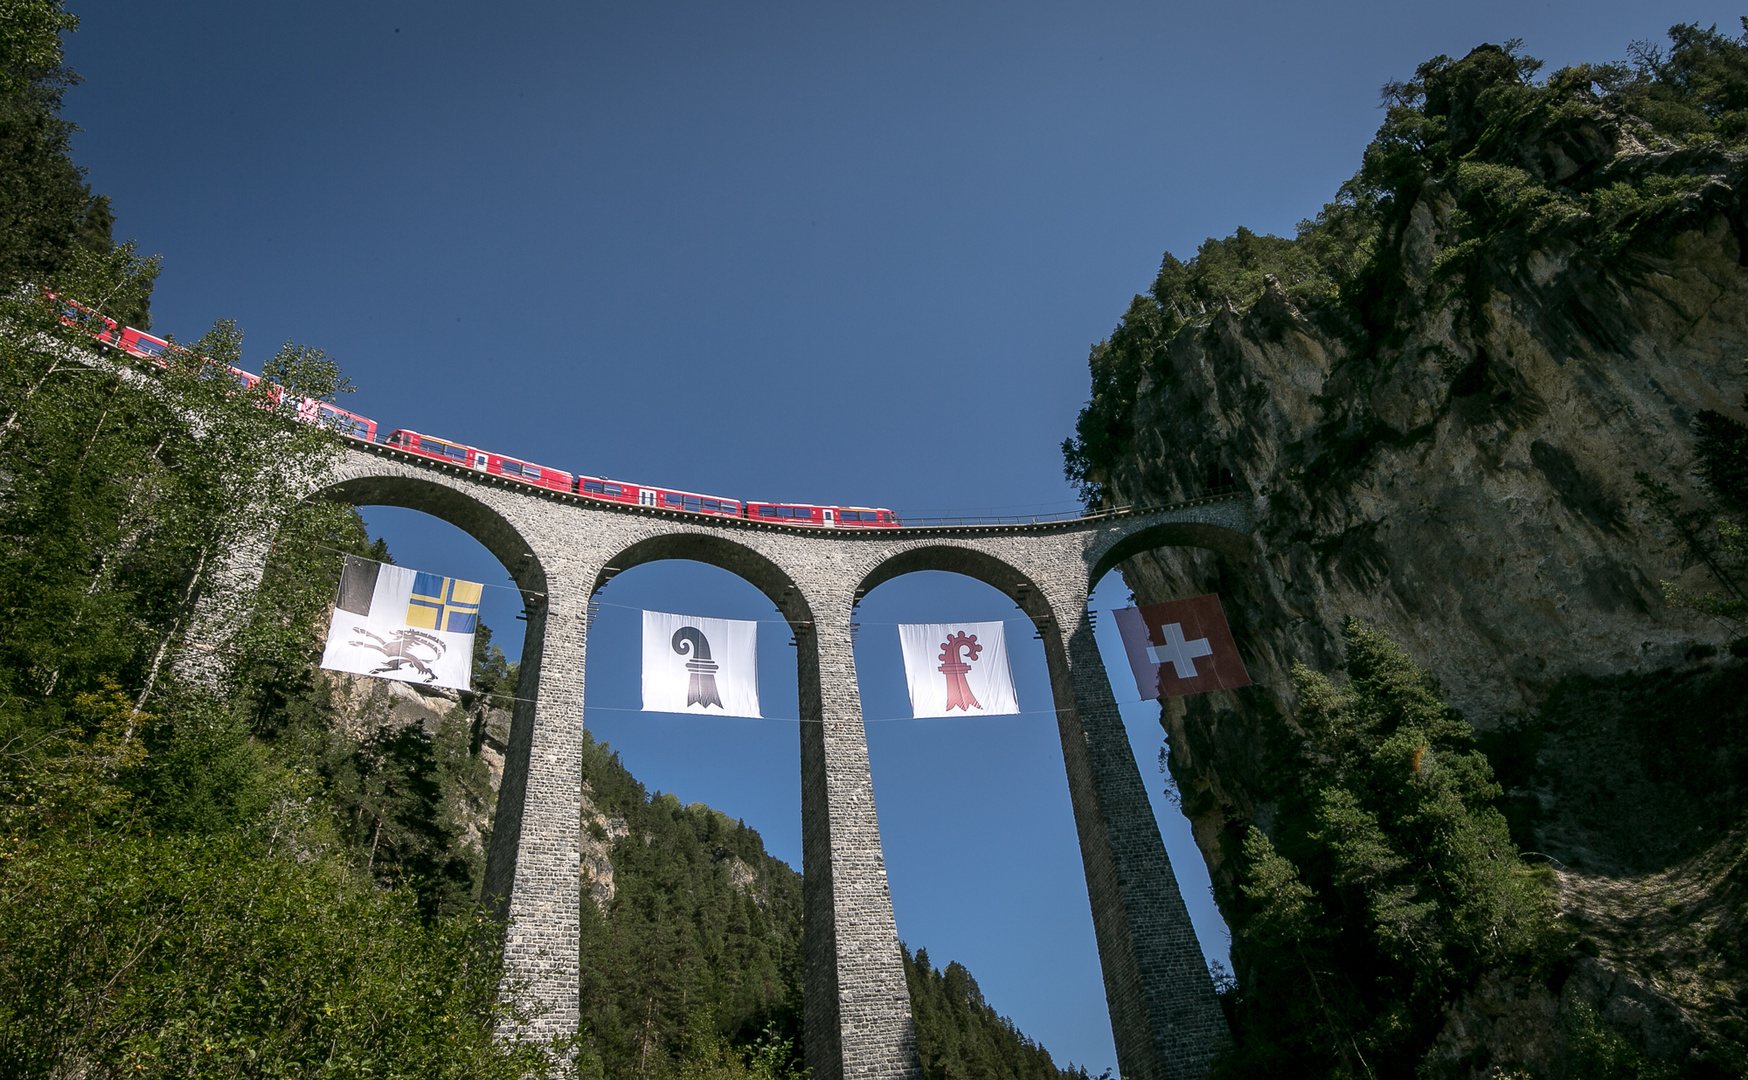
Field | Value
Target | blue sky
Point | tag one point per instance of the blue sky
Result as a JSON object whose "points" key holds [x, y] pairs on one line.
{"points": [[810, 252]]}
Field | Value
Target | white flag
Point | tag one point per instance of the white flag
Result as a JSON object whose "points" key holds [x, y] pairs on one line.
{"points": [[403, 624], [705, 666], [961, 666]]}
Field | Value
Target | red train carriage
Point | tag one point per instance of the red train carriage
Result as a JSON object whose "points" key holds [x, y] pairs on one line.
{"points": [[835, 517], [864, 517], [529, 473], [311, 411], [101, 327], [599, 487], [433, 447], [483, 460], [143, 345]]}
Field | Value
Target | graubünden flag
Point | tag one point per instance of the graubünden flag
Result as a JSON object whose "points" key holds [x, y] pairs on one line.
{"points": [[1181, 647], [403, 624]]}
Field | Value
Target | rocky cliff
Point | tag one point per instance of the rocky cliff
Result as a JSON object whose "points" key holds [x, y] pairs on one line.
{"points": [[1450, 437]]}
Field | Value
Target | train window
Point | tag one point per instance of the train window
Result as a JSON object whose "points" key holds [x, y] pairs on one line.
{"points": [[394, 439], [770, 511], [693, 505], [594, 486], [885, 515], [615, 489]]}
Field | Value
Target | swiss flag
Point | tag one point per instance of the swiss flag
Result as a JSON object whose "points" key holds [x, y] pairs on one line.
{"points": [[1181, 647]]}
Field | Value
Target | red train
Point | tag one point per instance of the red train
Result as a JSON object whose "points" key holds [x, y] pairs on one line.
{"points": [[601, 487], [144, 346]]}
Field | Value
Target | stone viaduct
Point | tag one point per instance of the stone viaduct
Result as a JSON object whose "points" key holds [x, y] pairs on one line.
{"points": [[561, 549]]}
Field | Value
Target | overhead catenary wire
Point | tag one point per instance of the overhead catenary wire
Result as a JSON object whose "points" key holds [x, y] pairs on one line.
{"points": [[596, 601]]}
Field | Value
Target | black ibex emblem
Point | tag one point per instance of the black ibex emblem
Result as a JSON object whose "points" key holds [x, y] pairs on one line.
{"points": [[404, 651], [702, 688]]}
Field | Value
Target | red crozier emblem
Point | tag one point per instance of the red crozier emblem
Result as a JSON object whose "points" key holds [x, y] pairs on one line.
{"points": [[958, 691]]}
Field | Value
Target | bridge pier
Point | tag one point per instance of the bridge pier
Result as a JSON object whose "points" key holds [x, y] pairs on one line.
{"points": [[858, 1019], [533, 876], [1165, 1019]]}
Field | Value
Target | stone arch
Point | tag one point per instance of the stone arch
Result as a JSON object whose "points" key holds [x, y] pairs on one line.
{"points": [[1165, 1019], [1225, 541], [453, 505], [744, 562], [971, 562]]}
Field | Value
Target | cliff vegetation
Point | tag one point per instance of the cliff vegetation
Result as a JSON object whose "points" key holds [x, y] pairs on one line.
{"points": [[1482, 813]]}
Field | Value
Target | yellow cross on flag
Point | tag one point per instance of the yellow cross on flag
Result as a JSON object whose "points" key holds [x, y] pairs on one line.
{"points": [[447, 604]]}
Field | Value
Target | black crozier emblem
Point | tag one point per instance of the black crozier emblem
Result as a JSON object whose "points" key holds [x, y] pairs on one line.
{"points": [[702, 688]]}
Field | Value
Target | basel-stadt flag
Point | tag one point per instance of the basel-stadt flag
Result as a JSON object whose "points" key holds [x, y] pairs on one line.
{"points": [[961, 666], [397, 623], [1181, 647], [708, 666]]}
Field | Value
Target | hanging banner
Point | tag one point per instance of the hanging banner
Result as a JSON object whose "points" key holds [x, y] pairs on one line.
{"points": [[1181, 647], [961, 666], [706, 666], [403, 624]]}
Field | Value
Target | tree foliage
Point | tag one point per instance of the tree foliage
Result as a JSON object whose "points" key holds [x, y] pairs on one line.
{"points": [[186, 896], [1708, 523], [697, 958], [1387, 884], [50, 220], [960, 1036]]}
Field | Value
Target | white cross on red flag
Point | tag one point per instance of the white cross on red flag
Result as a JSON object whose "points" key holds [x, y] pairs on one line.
{"points": [[1181, 647]]}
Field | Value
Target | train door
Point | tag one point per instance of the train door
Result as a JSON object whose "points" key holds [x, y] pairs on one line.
{"points": [[479, 459], [646, 497], [826, 518]]}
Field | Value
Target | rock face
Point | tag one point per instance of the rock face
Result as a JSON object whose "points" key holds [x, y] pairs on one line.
{"points": [[365, 706], [1469, 489]]}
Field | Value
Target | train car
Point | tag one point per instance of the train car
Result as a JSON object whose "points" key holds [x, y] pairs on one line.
{"points": [[863, 517], [101, 327], [483, 460], [311, 411], [599, 487], [441, 449], [529, 473], [831, 517], [145, 346]]}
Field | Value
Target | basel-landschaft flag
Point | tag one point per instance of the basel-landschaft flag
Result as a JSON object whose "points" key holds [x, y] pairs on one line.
{"points": [[1181, 647], [403, 624], [961, 666], [692, 665]]}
